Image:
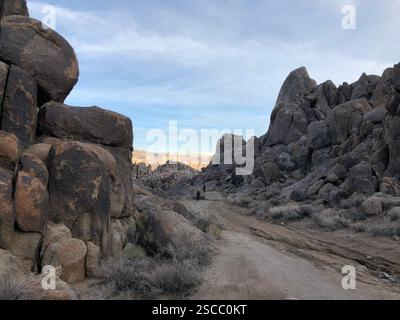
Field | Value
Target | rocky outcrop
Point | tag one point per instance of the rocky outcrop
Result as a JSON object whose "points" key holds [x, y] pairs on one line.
{"points": [[28, 286], [10, 150], [19, 111], [84, 210], [70, 254], [297, 84], [13, 8], [288, 125], [65, 172], [93, 124], [327, 146], [42, 53]]}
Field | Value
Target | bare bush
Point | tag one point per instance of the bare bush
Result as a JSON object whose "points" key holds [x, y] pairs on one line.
{"points": [[176, 270], [289, 212], [385, 229], [353, 215], [330, 219], [209, 224], [153, 275], [188, 249], [394, 214]]}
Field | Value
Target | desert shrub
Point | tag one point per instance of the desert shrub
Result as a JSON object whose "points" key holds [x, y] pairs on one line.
{"points": [[394, 214], [261, 208], [176, 278], [353, 214], [188, 249], [330, 219], [12, 288], [132, 251], [385, 229], [150, 276], [289, 212], [176, 270], [209, 223], [214, 231], [244, 201], [154, 275]]}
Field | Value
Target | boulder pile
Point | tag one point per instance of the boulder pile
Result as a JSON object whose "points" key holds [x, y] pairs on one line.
{"points": [[65, 172], [337, 141], [329, 147]]}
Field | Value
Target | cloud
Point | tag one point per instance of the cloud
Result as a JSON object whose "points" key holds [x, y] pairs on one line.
{"points": [[172, 58]]}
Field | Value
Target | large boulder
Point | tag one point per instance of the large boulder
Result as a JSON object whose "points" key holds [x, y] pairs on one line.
{"points": [[289, 125], [390, 186], [118, 194], [230, 145], [92, 259], [71, 256], [7, 217], [31, 203], [376, 115], [289, 121], [327, 97], [63, 291], [123, 231], [298, 83], [31, 196], [118, 164], [35, 167], [326, 191], [345, 118], [385, 85], [10, 264], [79, 190], [361, 180], [42, 52], [25, 245], [40, 151], [55, 233], [123, 158], [86, 124], [13, 8], [372, 207], [345, 91], [19, 112], [364, 87], [15, 270], [318, 135], [10, 150]]}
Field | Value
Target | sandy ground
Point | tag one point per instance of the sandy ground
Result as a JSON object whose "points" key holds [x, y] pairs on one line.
{"points": [[258, 260]]}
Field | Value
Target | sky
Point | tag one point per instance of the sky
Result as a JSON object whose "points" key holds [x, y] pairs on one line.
{"points": [[214, 64]]}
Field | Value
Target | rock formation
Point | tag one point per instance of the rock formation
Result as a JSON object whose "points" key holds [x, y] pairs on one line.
{"points": [[65, 172], [331, 147]]}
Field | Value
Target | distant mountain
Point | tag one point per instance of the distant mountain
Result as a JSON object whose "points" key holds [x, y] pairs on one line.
{"points": [[195, 161]]}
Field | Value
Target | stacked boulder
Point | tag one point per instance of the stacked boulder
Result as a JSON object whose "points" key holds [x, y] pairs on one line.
{"points": [[327, 146], [65, 172], [332, 143]]}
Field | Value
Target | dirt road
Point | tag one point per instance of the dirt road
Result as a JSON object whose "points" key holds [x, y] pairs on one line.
{"points": [[258, 260]]}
